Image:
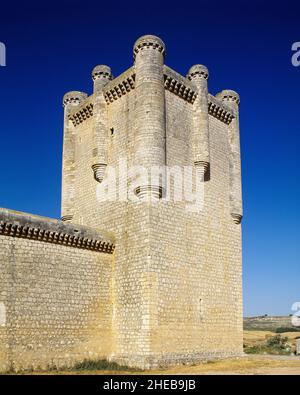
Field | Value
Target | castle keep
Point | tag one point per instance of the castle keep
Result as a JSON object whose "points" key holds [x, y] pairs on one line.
{"points": [[145, 282]]}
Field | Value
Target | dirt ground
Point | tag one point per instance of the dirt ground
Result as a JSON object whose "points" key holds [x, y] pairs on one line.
{"points": [[249, 365], [254, 364]]}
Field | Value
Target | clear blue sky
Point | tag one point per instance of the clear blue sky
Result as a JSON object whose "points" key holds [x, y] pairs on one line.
{"points": [[52, 48]]}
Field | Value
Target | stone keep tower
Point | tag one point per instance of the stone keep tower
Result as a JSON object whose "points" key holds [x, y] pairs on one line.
{"points": [[176, 288]]}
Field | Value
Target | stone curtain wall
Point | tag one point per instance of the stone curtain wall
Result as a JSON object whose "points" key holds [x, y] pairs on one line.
{"points": [[55, 299]]}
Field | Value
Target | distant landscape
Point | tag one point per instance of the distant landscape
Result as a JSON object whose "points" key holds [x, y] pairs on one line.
{"points": [[274, 335], [278, 324]]}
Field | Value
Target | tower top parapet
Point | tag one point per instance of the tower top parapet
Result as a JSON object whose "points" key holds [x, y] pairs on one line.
{"points": [[198, 71], [102, 71], [229, 96], [74, 98], [148, 41]]}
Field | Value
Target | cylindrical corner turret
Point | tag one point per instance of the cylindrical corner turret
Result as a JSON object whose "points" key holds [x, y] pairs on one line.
{"points": [[149, 42], [230, 97], [232, 100], [101, 76], [199, 74], [150, 112], [71, 100]]}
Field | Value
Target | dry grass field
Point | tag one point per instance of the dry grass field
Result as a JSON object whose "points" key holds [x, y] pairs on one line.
{"points": [[252, 338]]}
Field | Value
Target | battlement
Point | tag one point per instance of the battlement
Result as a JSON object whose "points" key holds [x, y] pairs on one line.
{"points": [[174, 82], [83, 112], [34, 227], [146, 84], [120, 86], [148, 41], [219, 110]]}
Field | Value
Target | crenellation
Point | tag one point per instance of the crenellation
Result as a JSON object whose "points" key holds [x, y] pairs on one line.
{"points": [[73, 99], [27, 226], [197, 73], [120, 86], [101, 75], [82, 114], [219, 110], [229, 96], [146, 42]]}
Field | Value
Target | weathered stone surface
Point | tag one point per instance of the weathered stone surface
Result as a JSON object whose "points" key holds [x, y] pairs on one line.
{"points": [[55, 284]]}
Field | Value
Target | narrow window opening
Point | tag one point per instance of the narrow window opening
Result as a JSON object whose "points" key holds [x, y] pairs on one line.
{"points": [[201, 309]]}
